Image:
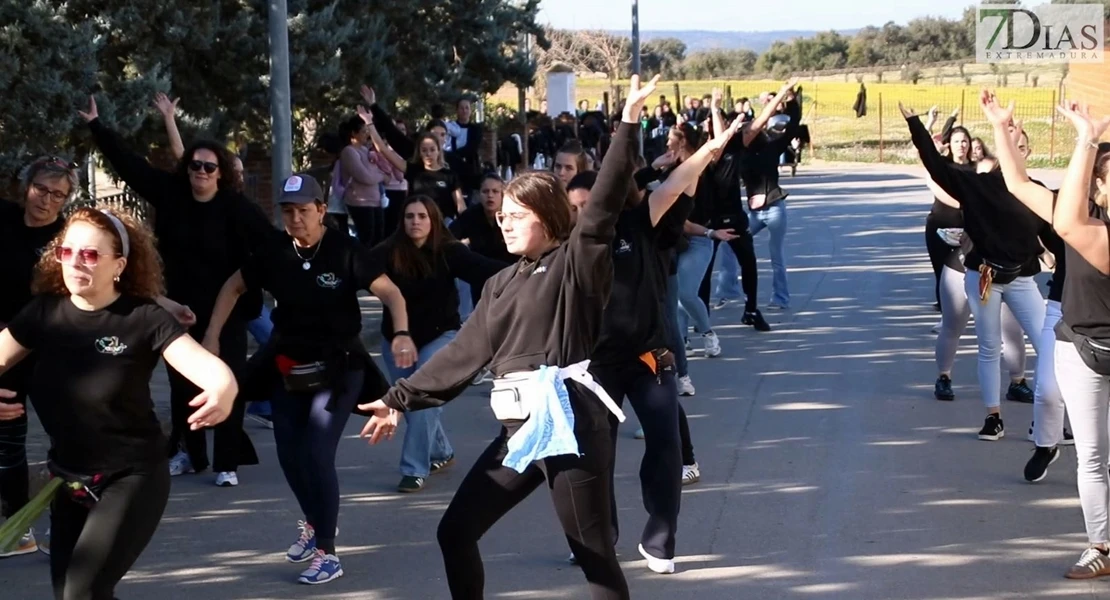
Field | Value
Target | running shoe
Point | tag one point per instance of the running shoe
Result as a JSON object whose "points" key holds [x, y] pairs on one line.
{"points": [[992, 430], [1092, 563], [227, 479], [712, 344], [26, 545], [691, 474], [1020, 392], [180, 464], [1037, 467], [942, 390], [410, 484], [325, 568], [685, 386], [305, 546]]}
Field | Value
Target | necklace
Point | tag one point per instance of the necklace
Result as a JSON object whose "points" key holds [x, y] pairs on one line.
{"points": [[308, 261]]}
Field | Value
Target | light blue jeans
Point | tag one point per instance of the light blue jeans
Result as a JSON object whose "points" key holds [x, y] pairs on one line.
{"points": [[727, 274], [773, 218], [692, 265], [1024, 300], [425, 439], [260, 329]]}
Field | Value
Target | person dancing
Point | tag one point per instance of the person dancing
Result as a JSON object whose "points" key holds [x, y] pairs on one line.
{"points": [[46, 186], [205, 231], [536, 326], [96, 317]]}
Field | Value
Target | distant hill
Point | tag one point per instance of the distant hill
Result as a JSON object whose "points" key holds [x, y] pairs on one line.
{"points": [[758, 41]]}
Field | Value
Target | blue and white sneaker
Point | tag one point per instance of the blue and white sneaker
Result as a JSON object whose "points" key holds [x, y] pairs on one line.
{"points": [[305, 547], [325, 568]]}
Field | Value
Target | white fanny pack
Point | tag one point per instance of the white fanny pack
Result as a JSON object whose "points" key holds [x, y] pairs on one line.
{"points": [[513, 396]]}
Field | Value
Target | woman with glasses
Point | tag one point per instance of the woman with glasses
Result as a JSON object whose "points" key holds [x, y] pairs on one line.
{"points": [[96, 319], [46, 185], [205, 231]]}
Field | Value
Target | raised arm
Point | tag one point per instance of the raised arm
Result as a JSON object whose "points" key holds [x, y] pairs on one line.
{"points": [[1036, 197], [380, 144], [393, 136], [147, 181], [769, 111], [1071, 219], [470, 266], [939, 170], [687, 174], [168, 107], [594, 232]]}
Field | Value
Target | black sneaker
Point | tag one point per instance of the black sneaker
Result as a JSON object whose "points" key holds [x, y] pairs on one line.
{"points": [[1037, 467], [1020, 392], [992, 430], [755, 319], [942, 390], [438, 466], [410, 484]]}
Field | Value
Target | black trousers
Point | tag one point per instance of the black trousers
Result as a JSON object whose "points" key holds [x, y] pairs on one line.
{"points": [[939, 251], [579, 487], [369, 224], [684, 433], [91, 550], [744, 249], [14, 474], [655, 400], [231, 447]]}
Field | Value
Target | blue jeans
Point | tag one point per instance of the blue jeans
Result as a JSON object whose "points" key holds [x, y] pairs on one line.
{"points": [[1025, 302], [675, 339], [692, 265], [773, 218], [425, 439], [261, 329], [466, 301], [727, 276]]}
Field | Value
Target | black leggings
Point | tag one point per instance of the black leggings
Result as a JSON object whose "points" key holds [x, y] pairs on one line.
{"points": [[232, 447], [579, 489], [744, 249], [369, 224], [14, 474], [688, 459], [939, 252], [91, 550], [307, 435], [656, 404]]}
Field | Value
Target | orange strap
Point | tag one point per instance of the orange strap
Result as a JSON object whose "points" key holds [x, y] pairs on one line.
{"points": [[649, 359], [986, 278]]}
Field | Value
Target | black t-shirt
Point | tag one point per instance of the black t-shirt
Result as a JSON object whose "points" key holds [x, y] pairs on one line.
{"points": [[438, 185], [432, 302], [91, 384], [1086, 302], [635, 318], [319, 305], [721, 185], [20, 246], [942, 216], [1051, 240], [484, 235]]}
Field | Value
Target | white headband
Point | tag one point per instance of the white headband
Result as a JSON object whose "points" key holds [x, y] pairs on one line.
{"points": [[125, 241]]}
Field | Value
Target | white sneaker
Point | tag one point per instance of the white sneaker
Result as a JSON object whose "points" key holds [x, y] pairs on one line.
{"points": [[180, 464], [227, 479], [662, 566], [691, 474], [712, 344], [25, 545], [572, 559], [685, 386]]}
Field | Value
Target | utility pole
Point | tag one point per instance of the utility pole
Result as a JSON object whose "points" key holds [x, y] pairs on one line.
{"points": [[636, 64], [281, 108]]}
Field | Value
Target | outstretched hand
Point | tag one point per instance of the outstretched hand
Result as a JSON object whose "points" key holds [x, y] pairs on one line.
{"points": [[720, 141], [1089, 128], [382, 424], [637, 96], [995, 112], [164, 105], [907, 113], [365, 115], [368, 95], [92, 113]]}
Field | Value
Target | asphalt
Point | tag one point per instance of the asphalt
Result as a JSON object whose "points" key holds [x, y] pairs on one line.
{"points": [[828, 470]]}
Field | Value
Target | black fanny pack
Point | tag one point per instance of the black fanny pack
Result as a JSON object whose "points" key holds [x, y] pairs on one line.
{"points": [[307, 377], [1095, 352], [738, 222], [85, 490]]}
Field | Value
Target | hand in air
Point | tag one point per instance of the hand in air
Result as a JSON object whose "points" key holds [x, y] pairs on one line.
{"points": [[365, 115], [1089, 128], [995, 112], [165, 106], [907, 113], [368, 95], [92, 113], [382, 424], [637, 96]]}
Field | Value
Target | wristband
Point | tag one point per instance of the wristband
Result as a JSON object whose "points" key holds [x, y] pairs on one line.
{"points": [[1086, 142], [709, 233], [403, 332]]}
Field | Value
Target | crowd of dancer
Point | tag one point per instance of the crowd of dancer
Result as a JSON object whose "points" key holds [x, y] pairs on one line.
{"points": [[991, 229]]}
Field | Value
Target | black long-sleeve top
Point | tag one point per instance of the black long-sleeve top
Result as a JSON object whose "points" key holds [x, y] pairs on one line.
{"points": [[432, 302], [202, 243], [401, 143], [542, 312], [759, 165], [484, 237], [1002, 229]]}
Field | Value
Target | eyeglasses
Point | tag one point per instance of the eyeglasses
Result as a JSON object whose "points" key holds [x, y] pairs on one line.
{"points": [[501, 217], [55, 195], [208, 167], [89, 256]]}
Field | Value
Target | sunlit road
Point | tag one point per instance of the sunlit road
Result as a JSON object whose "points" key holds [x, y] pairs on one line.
{"points": [[828, 470]]}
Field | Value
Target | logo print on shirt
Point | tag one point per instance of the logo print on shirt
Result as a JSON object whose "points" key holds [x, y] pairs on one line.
{"points": [[623, 247], [540, 269], [441, 184], [328, 280], [110, 345]]}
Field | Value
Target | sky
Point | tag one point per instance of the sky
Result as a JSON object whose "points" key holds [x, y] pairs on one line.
{"points": [[740, 15]]}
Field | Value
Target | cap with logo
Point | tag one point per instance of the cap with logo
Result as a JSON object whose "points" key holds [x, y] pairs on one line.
{"points": [[301, 189]]}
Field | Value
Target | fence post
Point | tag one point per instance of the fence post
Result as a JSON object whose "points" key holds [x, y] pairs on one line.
{"points": [[880, 127], [963, 105], [1052, 130], [678, 105]]}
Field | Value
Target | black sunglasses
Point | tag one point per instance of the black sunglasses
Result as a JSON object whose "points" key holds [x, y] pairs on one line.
{"points": [[209, 167]]}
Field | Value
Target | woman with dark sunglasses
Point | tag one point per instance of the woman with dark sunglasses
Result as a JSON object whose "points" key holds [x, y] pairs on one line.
{"points": [[205, 231], [96, 322], [46, 185]]}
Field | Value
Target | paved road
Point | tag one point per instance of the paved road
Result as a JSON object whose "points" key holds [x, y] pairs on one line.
{"points": [[828, 471]]}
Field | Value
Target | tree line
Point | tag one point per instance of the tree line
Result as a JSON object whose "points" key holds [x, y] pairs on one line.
{"points": [[214, 55]]}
